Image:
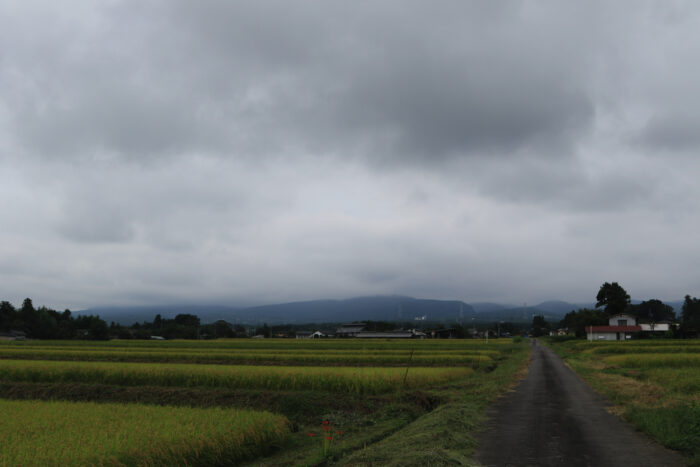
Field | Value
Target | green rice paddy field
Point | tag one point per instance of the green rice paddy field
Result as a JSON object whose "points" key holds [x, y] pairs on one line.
{"points": [[58, 433], [231, 401], [655, 385]]}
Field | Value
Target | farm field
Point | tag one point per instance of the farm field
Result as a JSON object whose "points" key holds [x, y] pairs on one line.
{"points": [[54, 433], [362, 380], [284, 355], [300, 401], [655, 385]]}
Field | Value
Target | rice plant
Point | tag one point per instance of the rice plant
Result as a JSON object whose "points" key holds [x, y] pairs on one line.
{"points": [[71, 433], [361, 380]]}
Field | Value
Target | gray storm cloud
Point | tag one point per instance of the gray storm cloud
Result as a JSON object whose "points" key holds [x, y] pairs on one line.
{"points": [[257, 151]]}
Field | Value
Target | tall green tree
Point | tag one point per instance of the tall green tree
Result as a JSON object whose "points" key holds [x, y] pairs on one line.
{"points": [[653, 310], [158, 322], [613, 297], [28, 316], [27, 306], [690, 315], [576, 321], [540, 326], [7, 315], [222, 329]]}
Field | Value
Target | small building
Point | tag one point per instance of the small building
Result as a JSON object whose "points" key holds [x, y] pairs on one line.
{"points": [[350, 330], [409, 334], [309, 335], [13, 335], [384, 335], [620, 327]]}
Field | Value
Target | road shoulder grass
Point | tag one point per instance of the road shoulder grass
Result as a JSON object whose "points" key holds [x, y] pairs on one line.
{"points": [[447, 435]]}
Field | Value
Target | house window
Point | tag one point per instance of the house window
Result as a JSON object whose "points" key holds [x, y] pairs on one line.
{"points": [[622, 322]]}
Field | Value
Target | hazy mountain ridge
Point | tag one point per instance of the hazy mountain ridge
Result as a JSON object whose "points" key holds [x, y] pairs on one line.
{"points": [[380, 308], [377, 308]]}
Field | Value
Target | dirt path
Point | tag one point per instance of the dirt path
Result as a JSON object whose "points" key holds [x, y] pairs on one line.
{"points": [[553, 418]]}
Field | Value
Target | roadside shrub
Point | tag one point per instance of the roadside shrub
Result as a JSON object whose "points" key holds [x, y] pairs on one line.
{"points": [[563, 338]]}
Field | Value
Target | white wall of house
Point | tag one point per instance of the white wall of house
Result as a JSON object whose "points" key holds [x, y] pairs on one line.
{"points": [[658, 327], [608, 336], [622, 320], [602, 336]]}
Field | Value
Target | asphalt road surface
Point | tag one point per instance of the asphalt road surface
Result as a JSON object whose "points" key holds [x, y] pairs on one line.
{"points": [[554, 419]]}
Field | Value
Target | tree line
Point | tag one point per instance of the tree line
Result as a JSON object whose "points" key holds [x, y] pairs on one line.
{"points": [[613, 299], [45, 323], [182, 326]]}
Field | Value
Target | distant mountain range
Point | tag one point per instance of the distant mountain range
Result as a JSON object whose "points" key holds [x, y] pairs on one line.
{"points": [[380, 308]]}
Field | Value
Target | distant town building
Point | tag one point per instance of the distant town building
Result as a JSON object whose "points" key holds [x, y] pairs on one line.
{"points": [[309, 334], [409, 334], [350, 330]]}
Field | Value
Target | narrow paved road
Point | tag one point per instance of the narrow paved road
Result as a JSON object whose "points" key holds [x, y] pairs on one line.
{"points": [[554, 419]]}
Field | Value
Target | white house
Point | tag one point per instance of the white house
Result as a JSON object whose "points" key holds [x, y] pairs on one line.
{"points": [[620, 327]]}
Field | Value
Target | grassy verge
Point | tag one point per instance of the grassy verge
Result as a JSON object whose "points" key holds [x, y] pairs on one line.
{"points": [[446, 436], [653, 384]]}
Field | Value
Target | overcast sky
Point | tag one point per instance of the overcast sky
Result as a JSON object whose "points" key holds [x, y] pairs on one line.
{"points": [[246, 152]]}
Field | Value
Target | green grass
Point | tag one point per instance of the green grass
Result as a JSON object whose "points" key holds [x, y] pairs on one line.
{"points": [[675, 427], [446, 436], [652, 347], [654, 360], [70, 433], [674, 380]]}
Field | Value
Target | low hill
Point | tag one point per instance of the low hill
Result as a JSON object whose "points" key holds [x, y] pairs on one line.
{"points": [[487, 307]]}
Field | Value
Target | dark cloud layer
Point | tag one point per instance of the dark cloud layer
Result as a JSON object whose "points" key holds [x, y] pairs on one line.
{"points": [[259, 151], [392, 81]]}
